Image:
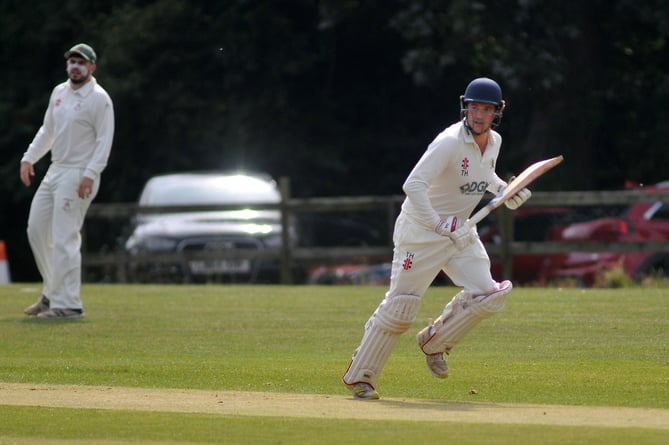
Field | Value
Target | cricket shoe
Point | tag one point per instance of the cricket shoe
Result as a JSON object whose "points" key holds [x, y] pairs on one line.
{"points": [[41, 306], [436, 363], [363, 391], [61, 314]]}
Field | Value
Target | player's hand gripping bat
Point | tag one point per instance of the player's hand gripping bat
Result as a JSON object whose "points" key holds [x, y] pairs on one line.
{"points": [[519, 182]]}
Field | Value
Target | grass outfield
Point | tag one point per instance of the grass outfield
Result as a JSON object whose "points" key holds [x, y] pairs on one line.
{"points": [[599, 348]]}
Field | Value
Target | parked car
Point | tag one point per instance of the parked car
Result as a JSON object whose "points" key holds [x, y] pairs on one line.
{"points": [[637, 223], [346, 229], [530, 224], [355, 274], [248, 230]]}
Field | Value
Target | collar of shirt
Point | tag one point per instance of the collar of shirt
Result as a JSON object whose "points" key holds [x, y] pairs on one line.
{"points": [[86, 89], [469, 138]]}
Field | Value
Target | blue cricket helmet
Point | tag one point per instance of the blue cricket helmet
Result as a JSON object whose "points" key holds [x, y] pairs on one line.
{"points": [[483, 90]]}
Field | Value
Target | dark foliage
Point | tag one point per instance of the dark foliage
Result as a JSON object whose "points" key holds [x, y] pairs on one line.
{"points": [[342, 97]]}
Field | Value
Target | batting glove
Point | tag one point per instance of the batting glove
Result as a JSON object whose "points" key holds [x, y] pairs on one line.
{"points": [[518, 199], [462, 234], [447, 226]]}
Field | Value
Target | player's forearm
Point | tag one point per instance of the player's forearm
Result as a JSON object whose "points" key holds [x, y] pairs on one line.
{"points": [[422, 209], [496, 185], [103, 143], [40, 146]]}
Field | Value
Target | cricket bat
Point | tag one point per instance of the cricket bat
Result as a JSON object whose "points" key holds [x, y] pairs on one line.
{"points": [[519, 182]]}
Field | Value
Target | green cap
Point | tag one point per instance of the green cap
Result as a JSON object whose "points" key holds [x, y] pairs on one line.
{"points": [[83, 50]]}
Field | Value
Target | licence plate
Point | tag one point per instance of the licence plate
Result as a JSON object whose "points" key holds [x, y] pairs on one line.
{"points": [[220, 266]]}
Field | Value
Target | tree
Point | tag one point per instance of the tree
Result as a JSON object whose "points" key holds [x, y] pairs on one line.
{"points": [[342, 97], [575, 75]]}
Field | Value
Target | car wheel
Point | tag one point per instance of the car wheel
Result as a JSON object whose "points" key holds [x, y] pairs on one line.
{"points": [[656, 267]]}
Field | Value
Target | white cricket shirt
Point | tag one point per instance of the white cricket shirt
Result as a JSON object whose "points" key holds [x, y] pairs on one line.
{"points": [[451, 177], [78, 129]]}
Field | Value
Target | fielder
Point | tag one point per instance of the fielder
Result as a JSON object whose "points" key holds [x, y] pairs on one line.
{"points": [[432, 233], [78, 130]]}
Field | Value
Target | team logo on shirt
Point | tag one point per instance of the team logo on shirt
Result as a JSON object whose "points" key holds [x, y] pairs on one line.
{"points": [[67, 204], [465, 167], [408, 261], [474, 188], [58, 101]]}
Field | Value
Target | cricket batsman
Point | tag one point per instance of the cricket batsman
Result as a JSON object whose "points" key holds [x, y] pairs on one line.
{"points": [[432, 233]]}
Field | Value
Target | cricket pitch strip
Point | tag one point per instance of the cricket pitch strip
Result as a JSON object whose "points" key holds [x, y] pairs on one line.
{"points": [[240, 403]]}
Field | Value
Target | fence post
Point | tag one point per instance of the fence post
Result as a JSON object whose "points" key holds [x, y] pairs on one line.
{"points": [[391, 216], [506, 235], [286, 254]]}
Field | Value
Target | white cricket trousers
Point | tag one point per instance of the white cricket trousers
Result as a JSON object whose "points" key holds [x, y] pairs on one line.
{"points": [[54, 232], [420, 254]]}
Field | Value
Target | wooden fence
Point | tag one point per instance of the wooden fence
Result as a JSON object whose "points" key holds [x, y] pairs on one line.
{"points": [[117, 260]]}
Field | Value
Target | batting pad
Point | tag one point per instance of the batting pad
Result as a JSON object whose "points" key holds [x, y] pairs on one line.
{"points": [[392, 318], [461, 315]]}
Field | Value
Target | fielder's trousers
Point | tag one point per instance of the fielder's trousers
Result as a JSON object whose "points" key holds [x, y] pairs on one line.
{"points": [[54, 232]]}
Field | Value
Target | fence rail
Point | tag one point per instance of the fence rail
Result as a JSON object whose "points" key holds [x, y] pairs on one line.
{"points": [[119, 260]]}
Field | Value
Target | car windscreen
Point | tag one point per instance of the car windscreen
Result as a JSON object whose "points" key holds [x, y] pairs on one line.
{"points": [[205, 190]]}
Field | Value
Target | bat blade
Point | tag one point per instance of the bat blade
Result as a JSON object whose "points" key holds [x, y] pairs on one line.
{"points": [[519, 182]]}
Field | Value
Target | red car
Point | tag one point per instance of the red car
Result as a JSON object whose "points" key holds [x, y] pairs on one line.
{"points": [[638, 223], [532, 224]]}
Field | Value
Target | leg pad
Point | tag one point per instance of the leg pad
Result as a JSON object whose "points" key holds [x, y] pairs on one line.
{"points": [[461, 315], [392, 318]]}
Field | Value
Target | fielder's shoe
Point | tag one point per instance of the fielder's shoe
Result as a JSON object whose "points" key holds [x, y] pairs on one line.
{"points": [[41, 306], [436, 363], [61, 314], [363, 391]]}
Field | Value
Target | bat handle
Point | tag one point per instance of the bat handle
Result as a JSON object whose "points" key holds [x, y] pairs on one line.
{"points": [[478, 216]]}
